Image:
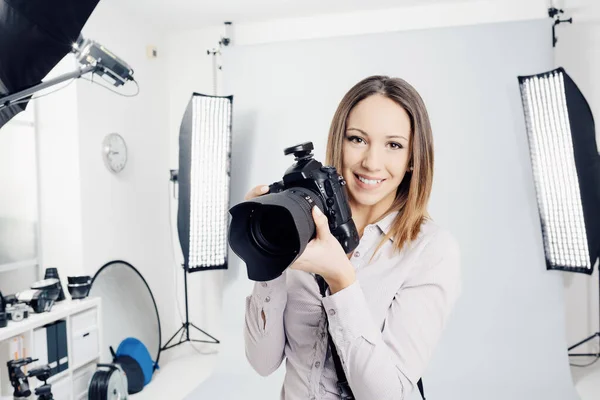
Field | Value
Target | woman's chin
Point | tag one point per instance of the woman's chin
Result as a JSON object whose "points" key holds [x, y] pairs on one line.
{"points": [[360, 198], [363, 200]]}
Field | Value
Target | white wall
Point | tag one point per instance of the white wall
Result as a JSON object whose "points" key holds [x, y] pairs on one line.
{"points": [[190, 66], [60, 176], [19, 242], [125, 215], [457, 13], [89, 215], [577, 50]]}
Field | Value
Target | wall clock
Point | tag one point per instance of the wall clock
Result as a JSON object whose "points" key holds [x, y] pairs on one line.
{"points": [[114, 152]]}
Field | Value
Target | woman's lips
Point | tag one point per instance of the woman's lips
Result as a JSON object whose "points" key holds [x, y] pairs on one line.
{"points": [[367, 186]]}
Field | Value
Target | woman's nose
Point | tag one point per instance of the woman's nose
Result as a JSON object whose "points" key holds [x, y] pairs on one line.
{"points": [[371, 160]]}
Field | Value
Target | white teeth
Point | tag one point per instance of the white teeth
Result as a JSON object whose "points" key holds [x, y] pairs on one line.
{"points": [[368, 181]]}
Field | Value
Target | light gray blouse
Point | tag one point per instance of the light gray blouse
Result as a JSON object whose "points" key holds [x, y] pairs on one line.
{"points": [[385, 325]]}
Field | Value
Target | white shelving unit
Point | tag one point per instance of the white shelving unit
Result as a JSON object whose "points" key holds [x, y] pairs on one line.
{"points": [[84, 342]]}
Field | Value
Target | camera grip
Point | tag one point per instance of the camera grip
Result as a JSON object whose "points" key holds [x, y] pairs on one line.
{"points": [[347, 235]]}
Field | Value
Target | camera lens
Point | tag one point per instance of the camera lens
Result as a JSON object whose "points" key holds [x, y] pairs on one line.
{"points": [[269, 232], [272, 230]]}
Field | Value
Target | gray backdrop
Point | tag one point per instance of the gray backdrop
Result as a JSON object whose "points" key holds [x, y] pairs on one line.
{"points": [[506, 339]]}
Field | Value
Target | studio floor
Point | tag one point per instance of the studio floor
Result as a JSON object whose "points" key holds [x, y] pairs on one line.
{"points": [[182, 368], [189, 367], [587, 379]]}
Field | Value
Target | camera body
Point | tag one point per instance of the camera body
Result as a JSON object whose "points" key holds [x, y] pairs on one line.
{"points": [[324, 182]]}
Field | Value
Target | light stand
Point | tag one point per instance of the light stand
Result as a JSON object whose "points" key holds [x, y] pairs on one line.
{"points": [[202, 180], [595, 335], [185, 327], [184, 330]]}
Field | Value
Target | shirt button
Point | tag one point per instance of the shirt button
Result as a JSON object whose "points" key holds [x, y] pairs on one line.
{"points": [[264, 284], [317, 364], [267, 299], [331, 311], [356, 254]]}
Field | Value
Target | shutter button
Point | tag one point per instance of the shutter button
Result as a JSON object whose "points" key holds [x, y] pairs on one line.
{"points": [[356, 254]]}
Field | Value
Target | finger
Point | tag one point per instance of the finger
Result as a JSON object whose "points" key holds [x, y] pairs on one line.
{"points": [[257, 191], [321, 222]]}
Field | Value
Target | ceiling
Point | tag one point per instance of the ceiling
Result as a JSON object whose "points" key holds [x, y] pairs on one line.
{"points": [[194, 14]]}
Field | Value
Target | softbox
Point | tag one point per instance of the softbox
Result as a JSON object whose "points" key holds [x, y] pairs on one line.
{"points": [[204, 179], [566, 169], [34, 36]]}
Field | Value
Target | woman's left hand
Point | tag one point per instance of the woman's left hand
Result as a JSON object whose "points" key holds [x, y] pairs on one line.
{"points": [[325, 256]]}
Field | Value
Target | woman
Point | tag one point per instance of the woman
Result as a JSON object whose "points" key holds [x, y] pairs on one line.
{"points": [[389, 300]]}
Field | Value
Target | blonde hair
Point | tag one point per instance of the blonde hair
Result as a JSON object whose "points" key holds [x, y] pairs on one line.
{"points": [[413, 192]]}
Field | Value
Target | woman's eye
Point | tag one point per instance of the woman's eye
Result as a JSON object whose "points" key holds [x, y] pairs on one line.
{"points": [[355, 139], [396, 145]]}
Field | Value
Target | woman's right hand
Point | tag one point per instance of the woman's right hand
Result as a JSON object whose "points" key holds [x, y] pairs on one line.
{"points": [[256, 192]]}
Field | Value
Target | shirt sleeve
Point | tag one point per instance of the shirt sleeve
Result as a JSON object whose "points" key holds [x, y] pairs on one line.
{"points": [[265, 343], [386, 363]]}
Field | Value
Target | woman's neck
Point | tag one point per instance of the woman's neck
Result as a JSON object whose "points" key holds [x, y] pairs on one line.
{"points": [[364, 215]]}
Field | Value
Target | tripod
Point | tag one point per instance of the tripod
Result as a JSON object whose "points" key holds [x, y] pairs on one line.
{"points": [[43, 392], [185, 327], [597, 334]]}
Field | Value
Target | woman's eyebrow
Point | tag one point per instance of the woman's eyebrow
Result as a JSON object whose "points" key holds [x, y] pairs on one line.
{"points": [[366, 134]]}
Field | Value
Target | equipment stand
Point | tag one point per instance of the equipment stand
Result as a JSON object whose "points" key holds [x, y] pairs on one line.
{"points": [[185, 328], [597, 334]]}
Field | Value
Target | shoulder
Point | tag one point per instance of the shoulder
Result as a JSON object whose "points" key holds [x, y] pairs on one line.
{"points": [[436, 252], [437, 240]]}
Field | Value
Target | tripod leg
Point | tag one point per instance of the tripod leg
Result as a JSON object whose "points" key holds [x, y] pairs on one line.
{"points": [[185, 328], [583, 341], [595, 334], [184, 332], [166, 346], [214, 340]]}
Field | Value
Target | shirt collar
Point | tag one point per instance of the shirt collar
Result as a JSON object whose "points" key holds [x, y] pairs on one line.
{"points": [[386, 222]]}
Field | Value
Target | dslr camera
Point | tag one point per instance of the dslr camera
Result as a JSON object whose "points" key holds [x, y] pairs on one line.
{"points": [[271, 231]]}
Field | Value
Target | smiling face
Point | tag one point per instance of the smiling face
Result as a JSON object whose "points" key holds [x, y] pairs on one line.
{"points": [[380, 128], [376, 152]]}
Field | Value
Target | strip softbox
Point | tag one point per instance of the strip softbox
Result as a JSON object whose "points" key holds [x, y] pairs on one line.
{"points": [[566, 169], [204, 178]]}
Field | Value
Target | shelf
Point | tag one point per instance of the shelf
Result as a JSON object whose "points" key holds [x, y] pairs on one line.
{"points": [[94, 361], [56, 377], [78, 315], [59, 311]]}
